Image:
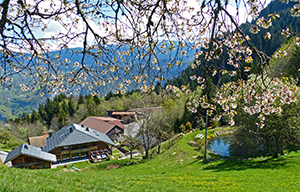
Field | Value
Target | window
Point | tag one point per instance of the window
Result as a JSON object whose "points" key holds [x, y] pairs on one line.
{"points": [[82, 146], [73, 147]]}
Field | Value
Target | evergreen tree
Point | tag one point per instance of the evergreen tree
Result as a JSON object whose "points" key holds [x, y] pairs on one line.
{"points": [[109, 95], [64, 106], [42, 112], [97, 100], [80, 100], [71, 106], [62, 116], [34, 116]]}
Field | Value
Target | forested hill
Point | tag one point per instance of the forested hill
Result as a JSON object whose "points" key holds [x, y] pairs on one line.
{"points": [[268, 46], [286, 20]]}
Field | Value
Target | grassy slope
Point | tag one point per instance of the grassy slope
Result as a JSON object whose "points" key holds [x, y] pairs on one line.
{"points": [[174, 170]]}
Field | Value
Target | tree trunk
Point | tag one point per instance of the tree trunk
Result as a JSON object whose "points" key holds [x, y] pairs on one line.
{"points": [[146, 153], [169, 137], [158, 149], [275, 154], [131, 154]]}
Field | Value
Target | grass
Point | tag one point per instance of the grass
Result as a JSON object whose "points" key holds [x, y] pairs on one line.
{"points": [[180, 168]]}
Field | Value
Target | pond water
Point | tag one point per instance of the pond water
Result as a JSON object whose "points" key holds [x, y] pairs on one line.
{"points": [[220, 145]]}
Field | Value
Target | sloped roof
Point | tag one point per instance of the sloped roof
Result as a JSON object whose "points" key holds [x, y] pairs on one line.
{"points": [[123, 113], [39, 141], [32, 151], [102, 124], [112, 120], [106, 118], [74, 134]]}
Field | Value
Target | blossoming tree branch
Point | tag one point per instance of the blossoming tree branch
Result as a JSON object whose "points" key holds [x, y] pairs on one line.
{"points": [[126, 39]]}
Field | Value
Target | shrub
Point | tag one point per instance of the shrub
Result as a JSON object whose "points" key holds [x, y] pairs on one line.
{"points": [[12, 144], [182, 128], [188, 126]]}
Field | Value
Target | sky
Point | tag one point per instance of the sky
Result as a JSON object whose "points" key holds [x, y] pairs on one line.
{"points": [[55, 27]]}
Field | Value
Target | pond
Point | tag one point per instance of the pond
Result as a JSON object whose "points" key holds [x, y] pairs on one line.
{"points": [[220, 145]]}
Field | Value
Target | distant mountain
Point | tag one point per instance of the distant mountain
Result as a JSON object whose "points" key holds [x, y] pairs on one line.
{"points": [[14, 102]]}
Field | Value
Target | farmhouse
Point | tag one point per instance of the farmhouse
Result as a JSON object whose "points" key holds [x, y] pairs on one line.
{"points": [[75, 142], [31, 157], [112, 127]]}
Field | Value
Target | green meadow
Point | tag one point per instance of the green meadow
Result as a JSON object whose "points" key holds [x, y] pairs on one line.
{"points": [[181, 168]]}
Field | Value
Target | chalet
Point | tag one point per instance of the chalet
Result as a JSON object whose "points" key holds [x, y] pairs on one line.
{"points": [[75, 142], [126, 116], [112, 127], [39, 141], [31, 157]]}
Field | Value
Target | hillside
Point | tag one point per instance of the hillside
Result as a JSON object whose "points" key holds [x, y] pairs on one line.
{"points": [[178, 169]]}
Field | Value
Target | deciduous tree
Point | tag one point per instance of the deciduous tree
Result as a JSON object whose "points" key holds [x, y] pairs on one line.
{"points": [[131, 143]]}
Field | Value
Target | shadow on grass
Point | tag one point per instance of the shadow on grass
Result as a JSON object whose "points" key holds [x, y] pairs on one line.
{"points": [[239, 165]]}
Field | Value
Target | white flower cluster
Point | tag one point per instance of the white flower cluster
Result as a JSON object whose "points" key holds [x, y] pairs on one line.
{"points": [[264, 23], [296, 10], [200, 80], [285, 32], [262, 103], [172, 88], [268, 102], [24, 87], [254, 29], [254, 8], [280, 54], [297, 41]]}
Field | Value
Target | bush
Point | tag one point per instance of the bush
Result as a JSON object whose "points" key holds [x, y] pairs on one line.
{"points": [[12, 144], [182, 128], [188, 126]]}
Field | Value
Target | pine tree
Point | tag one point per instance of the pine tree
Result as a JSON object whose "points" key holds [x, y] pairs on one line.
{"points": [[34, 116], [71, 106], [80, 100]]}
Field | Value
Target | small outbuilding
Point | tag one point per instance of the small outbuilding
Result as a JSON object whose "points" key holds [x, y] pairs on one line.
{"points": [[127, 116], [112, 127], [30, 157], [38, 141]]}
